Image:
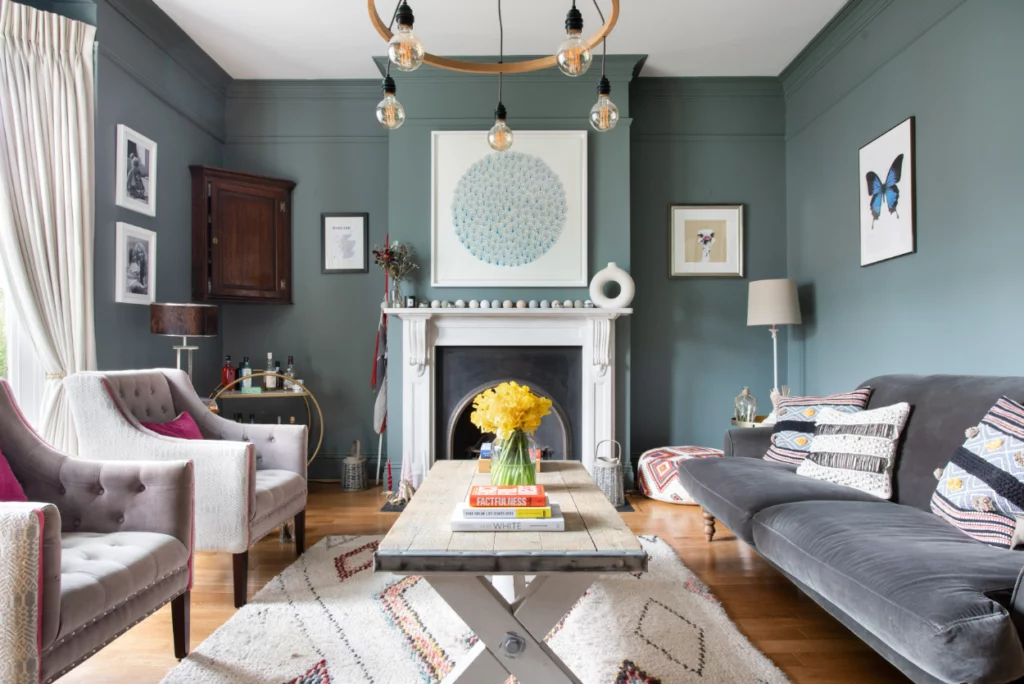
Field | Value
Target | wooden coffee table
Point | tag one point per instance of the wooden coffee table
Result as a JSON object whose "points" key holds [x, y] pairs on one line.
{"points": [[482, 575]]}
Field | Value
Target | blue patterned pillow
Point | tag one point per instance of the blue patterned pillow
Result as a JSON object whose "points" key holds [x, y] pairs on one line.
{"points": [[981, 491], [797, 417]]}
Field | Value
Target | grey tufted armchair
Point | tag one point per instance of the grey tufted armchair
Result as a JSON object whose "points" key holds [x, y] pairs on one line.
{"points": [[249, 478], [96, 549]]}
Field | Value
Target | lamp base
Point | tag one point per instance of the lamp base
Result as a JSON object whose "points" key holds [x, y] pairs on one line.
{"points": [[186, 347]]}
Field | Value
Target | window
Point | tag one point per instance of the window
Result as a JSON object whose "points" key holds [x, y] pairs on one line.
{"points": [[18, 362]]}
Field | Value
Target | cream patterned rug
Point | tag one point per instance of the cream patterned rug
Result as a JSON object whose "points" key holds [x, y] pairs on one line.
{"points": [[329, 619]]}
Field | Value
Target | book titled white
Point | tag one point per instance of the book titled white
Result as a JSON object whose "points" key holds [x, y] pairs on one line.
{"points": [[556, 523]]}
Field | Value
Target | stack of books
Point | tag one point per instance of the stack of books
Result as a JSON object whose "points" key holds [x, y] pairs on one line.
{"points": [[507, 509]]}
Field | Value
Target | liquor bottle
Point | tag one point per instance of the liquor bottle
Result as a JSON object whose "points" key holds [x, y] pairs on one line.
{"points": [[279, 422], [244, 371], [238, 417], [227, 373], [278, 382], [252, 418], [291, 420], [269, 381], [290, 372]]}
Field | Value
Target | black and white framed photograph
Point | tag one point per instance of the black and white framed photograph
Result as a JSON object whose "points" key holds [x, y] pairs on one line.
{"points": [[887, 221], [345, 243], [136, 171], [135, 265], [705, 240]]}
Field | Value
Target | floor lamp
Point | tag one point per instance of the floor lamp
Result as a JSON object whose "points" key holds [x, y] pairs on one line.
{"points": [[773, 303], [184, 321]]}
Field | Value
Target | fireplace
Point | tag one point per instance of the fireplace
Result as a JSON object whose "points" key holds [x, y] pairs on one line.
{"points": [[463, 372], [450, 355]]}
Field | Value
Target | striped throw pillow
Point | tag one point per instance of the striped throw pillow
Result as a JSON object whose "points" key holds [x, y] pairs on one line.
{"points": [[797, 416], [981, 491], [856, 449]]}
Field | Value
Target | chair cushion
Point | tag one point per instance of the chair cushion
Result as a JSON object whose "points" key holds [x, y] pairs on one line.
{"points": [[910, 578], [101, 571], [10, 488], [182, 427], [275, 489], [734, 489]]}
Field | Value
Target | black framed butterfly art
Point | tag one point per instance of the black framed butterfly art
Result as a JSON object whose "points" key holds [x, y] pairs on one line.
{"points": [[887, 202]]}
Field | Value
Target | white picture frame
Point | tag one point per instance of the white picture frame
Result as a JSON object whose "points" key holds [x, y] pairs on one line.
{"points": [[550, 171], [136, 182], [887, 195], [134, 265], [706, 240]]}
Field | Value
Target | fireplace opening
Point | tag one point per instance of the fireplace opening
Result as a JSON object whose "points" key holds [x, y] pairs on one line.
{"points": [[464, 372]]}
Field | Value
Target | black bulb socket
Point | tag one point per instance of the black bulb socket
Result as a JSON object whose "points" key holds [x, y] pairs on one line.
{"points": [[388, 86], [404, 17], [604, 86], [574, 20], [500, 113]]}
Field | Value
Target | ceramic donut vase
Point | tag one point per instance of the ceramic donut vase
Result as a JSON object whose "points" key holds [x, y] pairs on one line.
{"points": [[612, 274]]}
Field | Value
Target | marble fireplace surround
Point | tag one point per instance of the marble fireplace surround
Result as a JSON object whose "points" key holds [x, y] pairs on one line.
{"points": [[423, 330]]}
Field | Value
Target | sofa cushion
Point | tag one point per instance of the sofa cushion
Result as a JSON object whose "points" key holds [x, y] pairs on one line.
{"points": [[10, 488], [182, 427], [274, 489], [796, 418], [909, 578], [734, 489], [101, 571]]}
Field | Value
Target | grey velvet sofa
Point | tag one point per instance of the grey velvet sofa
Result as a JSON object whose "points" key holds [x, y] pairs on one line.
{"points": [[95, 549], [937, 604]]}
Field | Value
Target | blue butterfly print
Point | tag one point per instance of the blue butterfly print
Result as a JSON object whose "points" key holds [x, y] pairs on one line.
{"points": [[888, 191]]}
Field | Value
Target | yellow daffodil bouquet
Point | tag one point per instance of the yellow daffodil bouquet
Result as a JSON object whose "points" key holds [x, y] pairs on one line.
{"points": [[512, 413]]}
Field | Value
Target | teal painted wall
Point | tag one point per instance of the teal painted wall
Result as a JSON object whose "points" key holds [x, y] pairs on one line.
{"points": [[702, 141], [955, 66], [324, 136], [440, 100], [151, 77]]}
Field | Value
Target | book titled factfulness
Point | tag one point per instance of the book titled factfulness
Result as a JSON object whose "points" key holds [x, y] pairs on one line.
{"points": [[468, 512], [487, 496], [556, 523]]}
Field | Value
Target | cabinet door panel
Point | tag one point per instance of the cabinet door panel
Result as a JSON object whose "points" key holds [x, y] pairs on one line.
{"points": [[249, 235]]}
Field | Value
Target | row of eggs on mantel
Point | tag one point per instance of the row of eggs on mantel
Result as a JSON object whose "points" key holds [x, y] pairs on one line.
{"points": [[509, 304]]}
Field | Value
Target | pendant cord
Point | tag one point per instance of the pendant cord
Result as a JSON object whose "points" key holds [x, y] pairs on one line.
{"points": [[604, 41], [394, 16], [501, 50]]}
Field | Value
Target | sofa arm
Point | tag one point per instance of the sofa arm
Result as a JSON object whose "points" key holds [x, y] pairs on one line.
{"points": [[748, 442], [30, 575]]}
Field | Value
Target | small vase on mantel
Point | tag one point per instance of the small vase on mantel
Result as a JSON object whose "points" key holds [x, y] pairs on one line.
{"points": [[395, 298], [746, 406]]}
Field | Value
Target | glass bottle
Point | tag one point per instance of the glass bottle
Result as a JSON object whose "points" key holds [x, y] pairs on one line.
{"points": [[227, 373], [238, 418], [244, 371], [252, 418], [290, 372], [745, 406], [269, 381], [278, 382]]}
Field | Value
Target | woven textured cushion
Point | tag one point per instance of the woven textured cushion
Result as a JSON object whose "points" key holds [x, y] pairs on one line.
{"points": [[182, 427], [10, 488], [797, 416], [658, 472], [981, 490], [856, 449]]}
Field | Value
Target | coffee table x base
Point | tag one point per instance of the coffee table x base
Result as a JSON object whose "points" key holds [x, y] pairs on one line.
{"points": [[511, 627]]}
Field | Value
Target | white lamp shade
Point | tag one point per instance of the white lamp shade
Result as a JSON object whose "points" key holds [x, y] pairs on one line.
{"points": [[773, 302]]}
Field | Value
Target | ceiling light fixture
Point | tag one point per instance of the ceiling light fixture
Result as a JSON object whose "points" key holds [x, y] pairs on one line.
{"points": [[500, 137], [574, 55], [603, 115], [404, 49]]}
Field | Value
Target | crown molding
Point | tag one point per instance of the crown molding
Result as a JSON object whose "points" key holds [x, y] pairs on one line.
{"points": [[707, 87], [161, 30], [620, 68], [335, 89]]}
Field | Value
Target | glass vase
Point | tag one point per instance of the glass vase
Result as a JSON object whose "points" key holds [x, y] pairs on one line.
{"points": [[511, 462], [395, 299], [746, 406]]}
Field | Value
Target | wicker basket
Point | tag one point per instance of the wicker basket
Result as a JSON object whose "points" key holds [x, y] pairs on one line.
{"points": [[608, 474], [353, 471]]}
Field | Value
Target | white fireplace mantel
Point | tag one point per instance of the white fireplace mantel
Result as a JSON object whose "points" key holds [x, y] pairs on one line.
{"points": [[423, 330]]}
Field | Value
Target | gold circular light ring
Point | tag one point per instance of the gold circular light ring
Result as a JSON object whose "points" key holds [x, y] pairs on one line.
{"points": [[305, 394], [521, 67]]}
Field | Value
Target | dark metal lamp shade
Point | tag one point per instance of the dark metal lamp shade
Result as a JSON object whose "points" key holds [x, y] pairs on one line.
{"points": [[183, 320]]}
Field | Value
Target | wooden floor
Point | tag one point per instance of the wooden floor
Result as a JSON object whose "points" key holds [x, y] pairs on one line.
{"points": [[792, 630]]}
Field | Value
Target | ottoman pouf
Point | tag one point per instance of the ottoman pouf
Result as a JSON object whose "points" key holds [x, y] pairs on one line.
{"points": [[658, 474]]}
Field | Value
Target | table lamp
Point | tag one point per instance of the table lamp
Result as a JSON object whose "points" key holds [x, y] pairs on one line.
{"points": [[773, 303], [184, 321]]}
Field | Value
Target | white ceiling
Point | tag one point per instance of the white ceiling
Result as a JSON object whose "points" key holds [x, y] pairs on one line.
{"points": [[308, 39]]}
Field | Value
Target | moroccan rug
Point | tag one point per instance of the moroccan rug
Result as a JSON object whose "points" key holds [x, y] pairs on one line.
{"points": [[329, 619]]}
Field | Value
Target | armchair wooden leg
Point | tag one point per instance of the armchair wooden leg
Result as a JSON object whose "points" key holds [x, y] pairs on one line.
{"points": [[180, 609], [709, 525], [300, 533], [241, 567]]}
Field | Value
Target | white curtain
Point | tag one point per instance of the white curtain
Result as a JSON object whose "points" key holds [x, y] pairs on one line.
{"points": [[46, 195]]}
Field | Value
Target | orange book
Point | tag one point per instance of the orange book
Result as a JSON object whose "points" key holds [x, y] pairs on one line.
{"points": [[484, 496]]}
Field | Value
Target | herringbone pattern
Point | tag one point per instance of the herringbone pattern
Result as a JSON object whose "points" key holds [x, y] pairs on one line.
{"points": [[21, 528]]}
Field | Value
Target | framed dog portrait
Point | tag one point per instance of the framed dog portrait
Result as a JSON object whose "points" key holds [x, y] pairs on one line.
{"points": [[136, 171], [705, 240], [135, 265]]}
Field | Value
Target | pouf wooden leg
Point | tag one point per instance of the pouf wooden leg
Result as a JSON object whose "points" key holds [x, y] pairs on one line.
{"points": [[709, 525]]}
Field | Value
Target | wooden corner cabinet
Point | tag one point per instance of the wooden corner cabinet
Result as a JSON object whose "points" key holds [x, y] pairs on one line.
{"points": [[241, 237]]}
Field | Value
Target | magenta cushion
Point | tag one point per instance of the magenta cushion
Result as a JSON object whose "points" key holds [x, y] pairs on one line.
{"points": [[182, 427], [10, 488]]}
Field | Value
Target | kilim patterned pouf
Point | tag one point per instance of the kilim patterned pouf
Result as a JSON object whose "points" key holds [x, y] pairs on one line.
{"points": [[659, 476]]}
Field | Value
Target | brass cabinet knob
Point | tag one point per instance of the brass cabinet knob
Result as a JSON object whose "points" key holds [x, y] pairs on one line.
{"points": [[215, 241]]}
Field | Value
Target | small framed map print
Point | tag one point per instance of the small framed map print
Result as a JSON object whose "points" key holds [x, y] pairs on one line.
{"points": [[887, 195], [345, 243], [705, 240]]}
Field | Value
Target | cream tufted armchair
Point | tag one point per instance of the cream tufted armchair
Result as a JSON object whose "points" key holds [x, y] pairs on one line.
{"points": [[250, 479], [96, 549]]}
